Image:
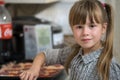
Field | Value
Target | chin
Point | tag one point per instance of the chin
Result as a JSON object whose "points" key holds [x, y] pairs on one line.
{"points": [[86, 46]]}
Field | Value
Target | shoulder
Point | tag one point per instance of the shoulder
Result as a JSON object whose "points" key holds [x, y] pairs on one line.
{"points": [[65, 50], [70, 48], [115, 69], [58, 50], [115, 64]]}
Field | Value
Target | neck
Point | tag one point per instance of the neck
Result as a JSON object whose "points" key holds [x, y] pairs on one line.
{"points": [[91, 49]]}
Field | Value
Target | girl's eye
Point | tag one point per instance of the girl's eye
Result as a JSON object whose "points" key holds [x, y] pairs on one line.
{"points": [[79, 27], [92, 26]]}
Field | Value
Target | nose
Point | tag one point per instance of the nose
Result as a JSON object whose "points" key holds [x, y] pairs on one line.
{"points": [[85, 31]]}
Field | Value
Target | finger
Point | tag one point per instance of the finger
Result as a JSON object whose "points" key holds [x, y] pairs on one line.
{"points": [[22, 75], [26, 77], [35, 78], [31, 77]]}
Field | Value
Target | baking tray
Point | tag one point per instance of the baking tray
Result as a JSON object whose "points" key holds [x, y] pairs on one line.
{"points": [[17, 78], [53, 77]]}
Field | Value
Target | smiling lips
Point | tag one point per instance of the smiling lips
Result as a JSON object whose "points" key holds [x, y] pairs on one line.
{"points": [[86, 40]]}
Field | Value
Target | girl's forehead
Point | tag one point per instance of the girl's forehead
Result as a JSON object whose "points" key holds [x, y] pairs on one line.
{"points": [[89, 21]]}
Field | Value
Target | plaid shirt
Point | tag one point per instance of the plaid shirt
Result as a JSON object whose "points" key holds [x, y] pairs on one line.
{"points": [[83, 67]]}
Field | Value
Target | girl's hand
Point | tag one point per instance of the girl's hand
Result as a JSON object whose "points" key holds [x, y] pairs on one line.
{"points": [[33, 72], [30, 74]]}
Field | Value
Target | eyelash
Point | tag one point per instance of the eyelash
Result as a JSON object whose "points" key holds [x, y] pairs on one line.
{"points": [[91, 26], [79, 27]]}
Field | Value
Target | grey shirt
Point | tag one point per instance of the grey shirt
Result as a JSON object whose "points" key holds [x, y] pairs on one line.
{"points": [[83, 67]]}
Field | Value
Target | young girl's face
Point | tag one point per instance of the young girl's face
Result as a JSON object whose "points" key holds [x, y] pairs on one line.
{"points": [[89, 34]]}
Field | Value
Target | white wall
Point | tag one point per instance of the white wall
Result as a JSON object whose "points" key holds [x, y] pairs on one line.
{"points": [[58, 13], [116, 7]]}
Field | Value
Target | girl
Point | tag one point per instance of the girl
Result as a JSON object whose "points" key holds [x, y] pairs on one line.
{"points": [[91, 58]]}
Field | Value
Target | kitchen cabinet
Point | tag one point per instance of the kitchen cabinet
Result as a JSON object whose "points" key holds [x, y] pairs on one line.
{"points": [[31, 1]]}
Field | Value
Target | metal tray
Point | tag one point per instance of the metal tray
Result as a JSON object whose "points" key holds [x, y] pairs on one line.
{"points": [[17, 78], [53, 77]]}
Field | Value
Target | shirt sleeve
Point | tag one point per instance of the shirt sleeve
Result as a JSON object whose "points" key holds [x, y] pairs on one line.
{"points": [[115, 70], [56, 56]]}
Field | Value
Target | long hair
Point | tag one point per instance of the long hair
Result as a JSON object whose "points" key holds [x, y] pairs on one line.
{"points": [[101, 13]]}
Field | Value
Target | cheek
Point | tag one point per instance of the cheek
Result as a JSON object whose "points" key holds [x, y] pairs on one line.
{"points": [[76, 33], [98, 34]]}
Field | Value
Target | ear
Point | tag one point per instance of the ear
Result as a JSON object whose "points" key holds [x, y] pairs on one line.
{"points": [[104, 28]]}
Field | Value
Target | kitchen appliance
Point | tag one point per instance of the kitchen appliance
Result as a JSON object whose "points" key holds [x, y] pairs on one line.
{"points": [[31, 35], [37, 38]]}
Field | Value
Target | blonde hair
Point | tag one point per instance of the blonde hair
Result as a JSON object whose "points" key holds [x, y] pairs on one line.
{"points": [[102, 14]]}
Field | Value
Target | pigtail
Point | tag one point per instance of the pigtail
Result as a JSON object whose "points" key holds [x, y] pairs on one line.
{"points": [[109, 12], [105, 58]]}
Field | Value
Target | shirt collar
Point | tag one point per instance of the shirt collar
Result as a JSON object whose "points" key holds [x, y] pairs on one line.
{"points": [[92, 56]]}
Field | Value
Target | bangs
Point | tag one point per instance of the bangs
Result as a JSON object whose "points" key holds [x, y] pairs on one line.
{"points": [[81, 12]]}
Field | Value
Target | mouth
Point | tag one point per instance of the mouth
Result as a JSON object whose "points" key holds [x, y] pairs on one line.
{"points": [[86, 40]]}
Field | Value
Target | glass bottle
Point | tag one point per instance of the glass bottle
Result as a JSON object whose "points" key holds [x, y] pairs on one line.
{"points": [[5, 31]]}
